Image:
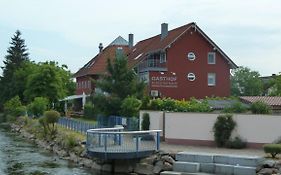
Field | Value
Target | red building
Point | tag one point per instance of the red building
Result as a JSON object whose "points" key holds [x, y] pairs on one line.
{"points": [[180, 63]]}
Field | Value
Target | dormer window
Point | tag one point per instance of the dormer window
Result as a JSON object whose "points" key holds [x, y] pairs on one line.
{"points": [[191, 56]]}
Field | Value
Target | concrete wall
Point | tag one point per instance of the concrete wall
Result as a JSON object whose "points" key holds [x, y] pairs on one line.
{"points": [[196, 128], [156, 120]]}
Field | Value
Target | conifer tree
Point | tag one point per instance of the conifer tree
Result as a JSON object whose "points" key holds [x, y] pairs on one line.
{"points": [[16, 56]]}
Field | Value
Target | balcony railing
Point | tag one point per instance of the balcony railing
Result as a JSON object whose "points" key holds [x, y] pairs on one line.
{"points": [[152, 65], [114, 143]]}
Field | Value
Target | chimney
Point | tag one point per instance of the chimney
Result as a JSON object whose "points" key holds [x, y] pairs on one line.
{"points": [[100, 47], [164, 30], [131, 40]]}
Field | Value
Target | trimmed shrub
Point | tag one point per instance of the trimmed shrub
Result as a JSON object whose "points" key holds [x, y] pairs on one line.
{"points": [[223, 128], [260, 107], [89, 111], [145, 124], [272, 149], [236, 143], [130, 107], [48, 122], [38, 106], [51, 116]]}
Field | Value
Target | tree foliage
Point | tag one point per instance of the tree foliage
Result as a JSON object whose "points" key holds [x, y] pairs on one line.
{"points": [[118, 83], [246, 82], [16, 56], [276, 86], [14, 107], [38, 106], [49, 80], [130, 107]]}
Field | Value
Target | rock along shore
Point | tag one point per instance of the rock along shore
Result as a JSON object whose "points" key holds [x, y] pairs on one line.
{"points": [[154, 164]]}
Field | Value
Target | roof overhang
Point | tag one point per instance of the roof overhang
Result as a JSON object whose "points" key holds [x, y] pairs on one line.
{"points": [[73, 97]]}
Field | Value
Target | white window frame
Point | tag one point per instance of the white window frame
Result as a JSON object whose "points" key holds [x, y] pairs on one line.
{"points": [[214, 56], [211, 76], [191, 76], [191, 56]]}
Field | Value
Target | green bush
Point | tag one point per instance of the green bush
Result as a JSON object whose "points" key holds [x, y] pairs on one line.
{"points": [[237, 107], [168, 104], [236, 143], [48, 121], [145, 102], [89, 111], [14, 107], [272, 149], [38, 106], [223, 128], [130, 107], [156, 104], [69, 142], [51, 116], [145, 124], [260, 107]]}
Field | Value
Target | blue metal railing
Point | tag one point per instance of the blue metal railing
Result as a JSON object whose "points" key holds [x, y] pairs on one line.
{"points": [[117, 144], [76, 125]]}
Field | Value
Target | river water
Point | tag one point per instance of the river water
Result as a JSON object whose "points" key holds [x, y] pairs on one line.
{"points": [[18, 157]]}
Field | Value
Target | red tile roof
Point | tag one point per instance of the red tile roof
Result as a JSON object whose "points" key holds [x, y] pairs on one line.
{"points": [[271, 101], [143, 48], [155, 44], [98, 64]]}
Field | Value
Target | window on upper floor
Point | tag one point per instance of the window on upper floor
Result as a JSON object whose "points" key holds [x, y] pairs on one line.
{"points": [[211, 79], [191, 56], [211, 58], [191, 76], [163, 57], [89, 84]]}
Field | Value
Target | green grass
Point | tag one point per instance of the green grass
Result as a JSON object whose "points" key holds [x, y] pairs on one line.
{"points": [[67, 131]]}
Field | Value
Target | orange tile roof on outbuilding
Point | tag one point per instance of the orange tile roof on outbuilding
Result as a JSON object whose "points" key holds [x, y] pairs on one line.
{"points": [[274, 102]]}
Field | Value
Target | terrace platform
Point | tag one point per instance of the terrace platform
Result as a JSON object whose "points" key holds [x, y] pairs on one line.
{"points": [[114, 143]]}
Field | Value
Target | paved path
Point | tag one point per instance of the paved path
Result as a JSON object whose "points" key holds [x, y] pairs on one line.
{"points": [[178, 148]]}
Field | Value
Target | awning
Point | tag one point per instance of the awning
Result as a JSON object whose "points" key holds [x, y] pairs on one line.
{"points": [[72, 97]]}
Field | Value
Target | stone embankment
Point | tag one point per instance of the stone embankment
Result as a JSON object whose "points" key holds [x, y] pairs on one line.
{"points": [[269, 167], [154, 164]]}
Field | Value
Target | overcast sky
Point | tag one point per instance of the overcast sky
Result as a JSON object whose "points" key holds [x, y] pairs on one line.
{"points": [[69, 31]]}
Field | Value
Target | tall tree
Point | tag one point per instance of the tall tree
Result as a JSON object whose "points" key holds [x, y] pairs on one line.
{"points": [[246, 82], [16, 56], [118, 83]]}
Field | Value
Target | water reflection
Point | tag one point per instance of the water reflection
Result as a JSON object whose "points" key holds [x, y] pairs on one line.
{"points": [[17, 157]]}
